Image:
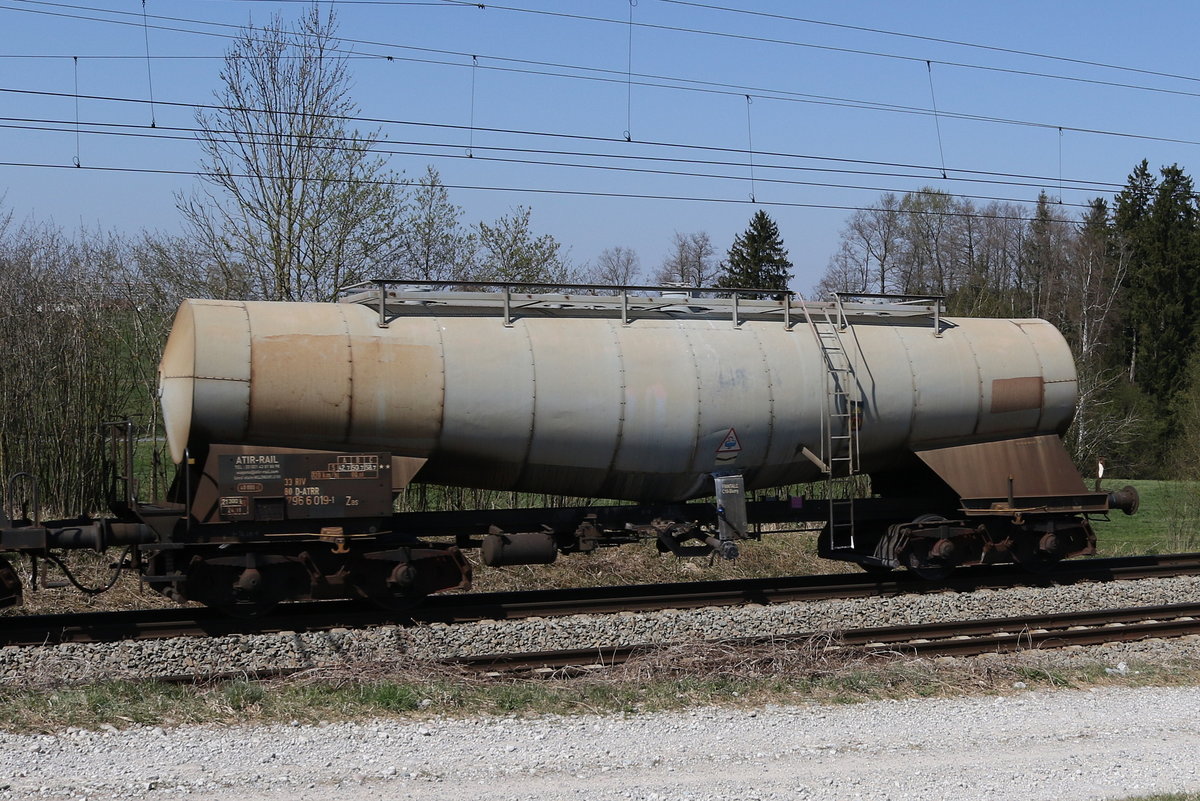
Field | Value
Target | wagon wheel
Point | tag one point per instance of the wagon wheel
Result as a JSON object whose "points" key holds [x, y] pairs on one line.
{"points": [[919, 561], [1034, 560], [930, 569]]}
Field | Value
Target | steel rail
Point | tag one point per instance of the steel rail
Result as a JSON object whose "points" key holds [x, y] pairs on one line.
{"points": [[33, 630], [943, 638], [598, 600]]}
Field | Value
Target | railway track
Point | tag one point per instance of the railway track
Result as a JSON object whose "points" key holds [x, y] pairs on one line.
{"points": [[955, 638], [34, 630]]}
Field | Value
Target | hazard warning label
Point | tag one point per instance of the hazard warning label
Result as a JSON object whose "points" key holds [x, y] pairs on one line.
{"points": [[730, 446]]}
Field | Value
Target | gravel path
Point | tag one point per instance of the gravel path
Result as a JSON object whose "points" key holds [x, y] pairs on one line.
{"points": [[1104, 743]]}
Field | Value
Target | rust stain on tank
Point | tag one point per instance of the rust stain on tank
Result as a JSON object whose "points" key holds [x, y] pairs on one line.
{"points": [[300, 387], [1017, 394], [315, 365]]}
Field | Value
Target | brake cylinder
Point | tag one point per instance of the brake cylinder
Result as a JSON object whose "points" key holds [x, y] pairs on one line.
{"points": [[518, 549]]}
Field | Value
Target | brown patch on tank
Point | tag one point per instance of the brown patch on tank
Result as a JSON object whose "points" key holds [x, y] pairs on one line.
{"points": [[1017, 394], [300, 388]]}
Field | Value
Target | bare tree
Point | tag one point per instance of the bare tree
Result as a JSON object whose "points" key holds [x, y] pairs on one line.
{"points": [[849, 270], [82, 345], [509, 251], [434, 245], [1096, 266], [994, 242], [616, 266], [691, 261], [929, 241], [295, 204], [870, 249]]}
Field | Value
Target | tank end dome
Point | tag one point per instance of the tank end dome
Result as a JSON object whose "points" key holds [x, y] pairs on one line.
{"points": [[177, 379]]}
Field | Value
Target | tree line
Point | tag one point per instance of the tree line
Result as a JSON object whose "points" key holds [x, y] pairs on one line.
{"points": [[1120, 280]]}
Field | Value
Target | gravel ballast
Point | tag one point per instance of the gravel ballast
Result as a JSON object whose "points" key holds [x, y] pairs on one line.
{"points": [[1102, 743], [73, 662]]}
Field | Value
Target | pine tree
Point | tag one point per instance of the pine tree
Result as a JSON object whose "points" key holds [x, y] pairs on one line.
{"points": [[1159, 224], [1131, 227], [758, 259], [1168, 328]]}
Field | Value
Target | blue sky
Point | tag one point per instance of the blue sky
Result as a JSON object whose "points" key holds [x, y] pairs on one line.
{"points": [[837, 113]]}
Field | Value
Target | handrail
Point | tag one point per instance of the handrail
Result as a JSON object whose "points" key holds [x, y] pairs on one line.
{"points": [[509, 289], [566, 285], [737, 302], [936, 302]]}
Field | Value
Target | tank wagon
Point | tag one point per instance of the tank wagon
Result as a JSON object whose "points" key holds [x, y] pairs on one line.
{"points": [[294, 424]]}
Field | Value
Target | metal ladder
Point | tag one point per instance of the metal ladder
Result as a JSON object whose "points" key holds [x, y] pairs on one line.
{"points": [[843, 415]]}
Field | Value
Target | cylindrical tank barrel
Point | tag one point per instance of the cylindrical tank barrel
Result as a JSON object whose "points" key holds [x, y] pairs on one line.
{"points": [[593, 406]]}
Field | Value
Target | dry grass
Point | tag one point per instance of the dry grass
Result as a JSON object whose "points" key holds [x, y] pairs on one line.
{"points": [[774, 555], [659, 679], [90, 569]]}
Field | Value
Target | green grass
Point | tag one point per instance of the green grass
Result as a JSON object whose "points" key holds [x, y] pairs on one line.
{"points": [[655, 682], [1168, 520]]}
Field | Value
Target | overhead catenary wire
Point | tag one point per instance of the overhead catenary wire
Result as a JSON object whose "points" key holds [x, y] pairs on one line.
{"points": [[555, 135], [1060, 162], [76, 71], [558, 134], [920, 37], [149, 72], [386, 147], [629, 76], [816, 22], [492, 6], [665, 82], [750, 145], [750, 151], [543, 191], [936, 121], [764, 94], [569, 165], [471, 132], [830, 48]]}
